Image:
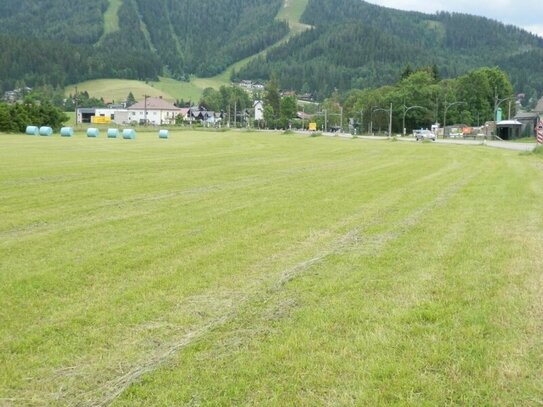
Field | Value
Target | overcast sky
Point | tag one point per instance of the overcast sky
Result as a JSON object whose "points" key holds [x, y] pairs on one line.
{"points": [[527, 14]]}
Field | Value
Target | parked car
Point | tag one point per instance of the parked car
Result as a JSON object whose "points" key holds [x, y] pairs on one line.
{"points": [[424, 135]]}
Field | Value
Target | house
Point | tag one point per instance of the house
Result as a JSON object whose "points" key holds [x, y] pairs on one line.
{"points": [[85, 114], [539, 107], [258, 107], [156, 111], [98, 115], [508, 129], [13, 96], [304, 116], [528, 122]]}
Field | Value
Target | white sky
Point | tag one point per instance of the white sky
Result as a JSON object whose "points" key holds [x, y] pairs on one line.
{"points": [[527, 14]]}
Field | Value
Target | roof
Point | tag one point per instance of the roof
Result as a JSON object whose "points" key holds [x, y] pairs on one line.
{"points": [[539, 107], [154, 104], [527, 115], [506, 123]]}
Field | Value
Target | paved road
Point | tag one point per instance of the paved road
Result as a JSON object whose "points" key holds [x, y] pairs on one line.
{"points": [[497, 144]]}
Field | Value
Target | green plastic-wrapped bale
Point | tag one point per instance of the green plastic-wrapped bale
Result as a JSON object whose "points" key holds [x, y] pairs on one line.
{"points": [[112, 133], [67, 132], [129, 134], [32, 130], [46, 131], [93, 132]]}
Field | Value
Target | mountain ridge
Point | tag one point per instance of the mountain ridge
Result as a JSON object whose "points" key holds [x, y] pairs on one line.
{"points": [[136, 39]]}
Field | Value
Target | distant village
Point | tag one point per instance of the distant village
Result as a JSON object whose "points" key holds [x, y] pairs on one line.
{"points": [[156, 111]]}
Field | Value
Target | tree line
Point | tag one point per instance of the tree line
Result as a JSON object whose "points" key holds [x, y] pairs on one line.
{"points": [[423, 99], [15, 117]]}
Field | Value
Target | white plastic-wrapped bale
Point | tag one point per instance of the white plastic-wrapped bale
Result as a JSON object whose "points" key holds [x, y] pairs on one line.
{"points": [[163, 134], [67, 132], [46, 131], [32, 130], [112, 133], [93, 132], [129, 134]]}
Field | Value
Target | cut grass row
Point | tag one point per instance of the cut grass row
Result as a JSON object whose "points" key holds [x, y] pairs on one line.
{"points": [[259, 269]]}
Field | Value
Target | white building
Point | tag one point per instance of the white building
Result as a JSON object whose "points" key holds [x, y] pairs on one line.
{"points": [[155, 111], [259, 110]]}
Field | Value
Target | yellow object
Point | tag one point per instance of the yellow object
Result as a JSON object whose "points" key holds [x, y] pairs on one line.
{"points": [[100, 120], [313, 126]]}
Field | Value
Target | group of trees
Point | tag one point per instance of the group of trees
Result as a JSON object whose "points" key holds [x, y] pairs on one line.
{"points": [[15, 117], [424, 99], [232, 100]]}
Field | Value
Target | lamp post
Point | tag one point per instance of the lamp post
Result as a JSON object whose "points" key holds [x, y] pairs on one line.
{"points": [[370, 126], [447, 106], [405, 110], [498, 102], [389, 111]]}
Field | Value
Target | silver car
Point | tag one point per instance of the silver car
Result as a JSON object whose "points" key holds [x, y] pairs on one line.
{"points": [[424, 135]]}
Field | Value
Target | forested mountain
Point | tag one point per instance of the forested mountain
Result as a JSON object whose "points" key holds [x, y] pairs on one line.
{"points": [[352, 44], [61, 41], [356, 44]]}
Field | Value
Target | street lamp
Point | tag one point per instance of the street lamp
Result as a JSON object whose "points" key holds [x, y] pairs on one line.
{"points": [[389, 111], [497, 103], [447, 106], [405, 110]]}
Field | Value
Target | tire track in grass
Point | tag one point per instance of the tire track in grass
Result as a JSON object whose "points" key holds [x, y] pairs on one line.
{"points": [[261, 290]]}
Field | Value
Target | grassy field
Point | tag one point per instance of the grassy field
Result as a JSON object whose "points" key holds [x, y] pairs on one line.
{"points": [[233, 268], [111, 18]]}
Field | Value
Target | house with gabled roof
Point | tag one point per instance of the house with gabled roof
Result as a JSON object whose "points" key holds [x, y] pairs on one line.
{"points": [[155, 111]]}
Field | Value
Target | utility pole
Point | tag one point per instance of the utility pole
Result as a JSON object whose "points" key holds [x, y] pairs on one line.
{"points": [[361, 121], [145, 109], [341, 119], [76, 120], [325, 120], [235, 113], [390, 122]]}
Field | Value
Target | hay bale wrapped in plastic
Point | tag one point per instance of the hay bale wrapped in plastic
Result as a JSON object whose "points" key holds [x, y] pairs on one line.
{"points": [[93, 132], [163, 134], [32, 130], [66, 132], [112, 133], [46, 131], [129, 134]]}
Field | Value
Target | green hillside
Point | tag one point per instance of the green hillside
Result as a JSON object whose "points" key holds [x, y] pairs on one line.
{"points": [[312, 45], [192, 89], [357, 44], [118, 89]]}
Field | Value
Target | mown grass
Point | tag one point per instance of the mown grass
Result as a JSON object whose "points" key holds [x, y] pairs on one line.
{"points": [[111, 18], [116, 90], [266, 269]]}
